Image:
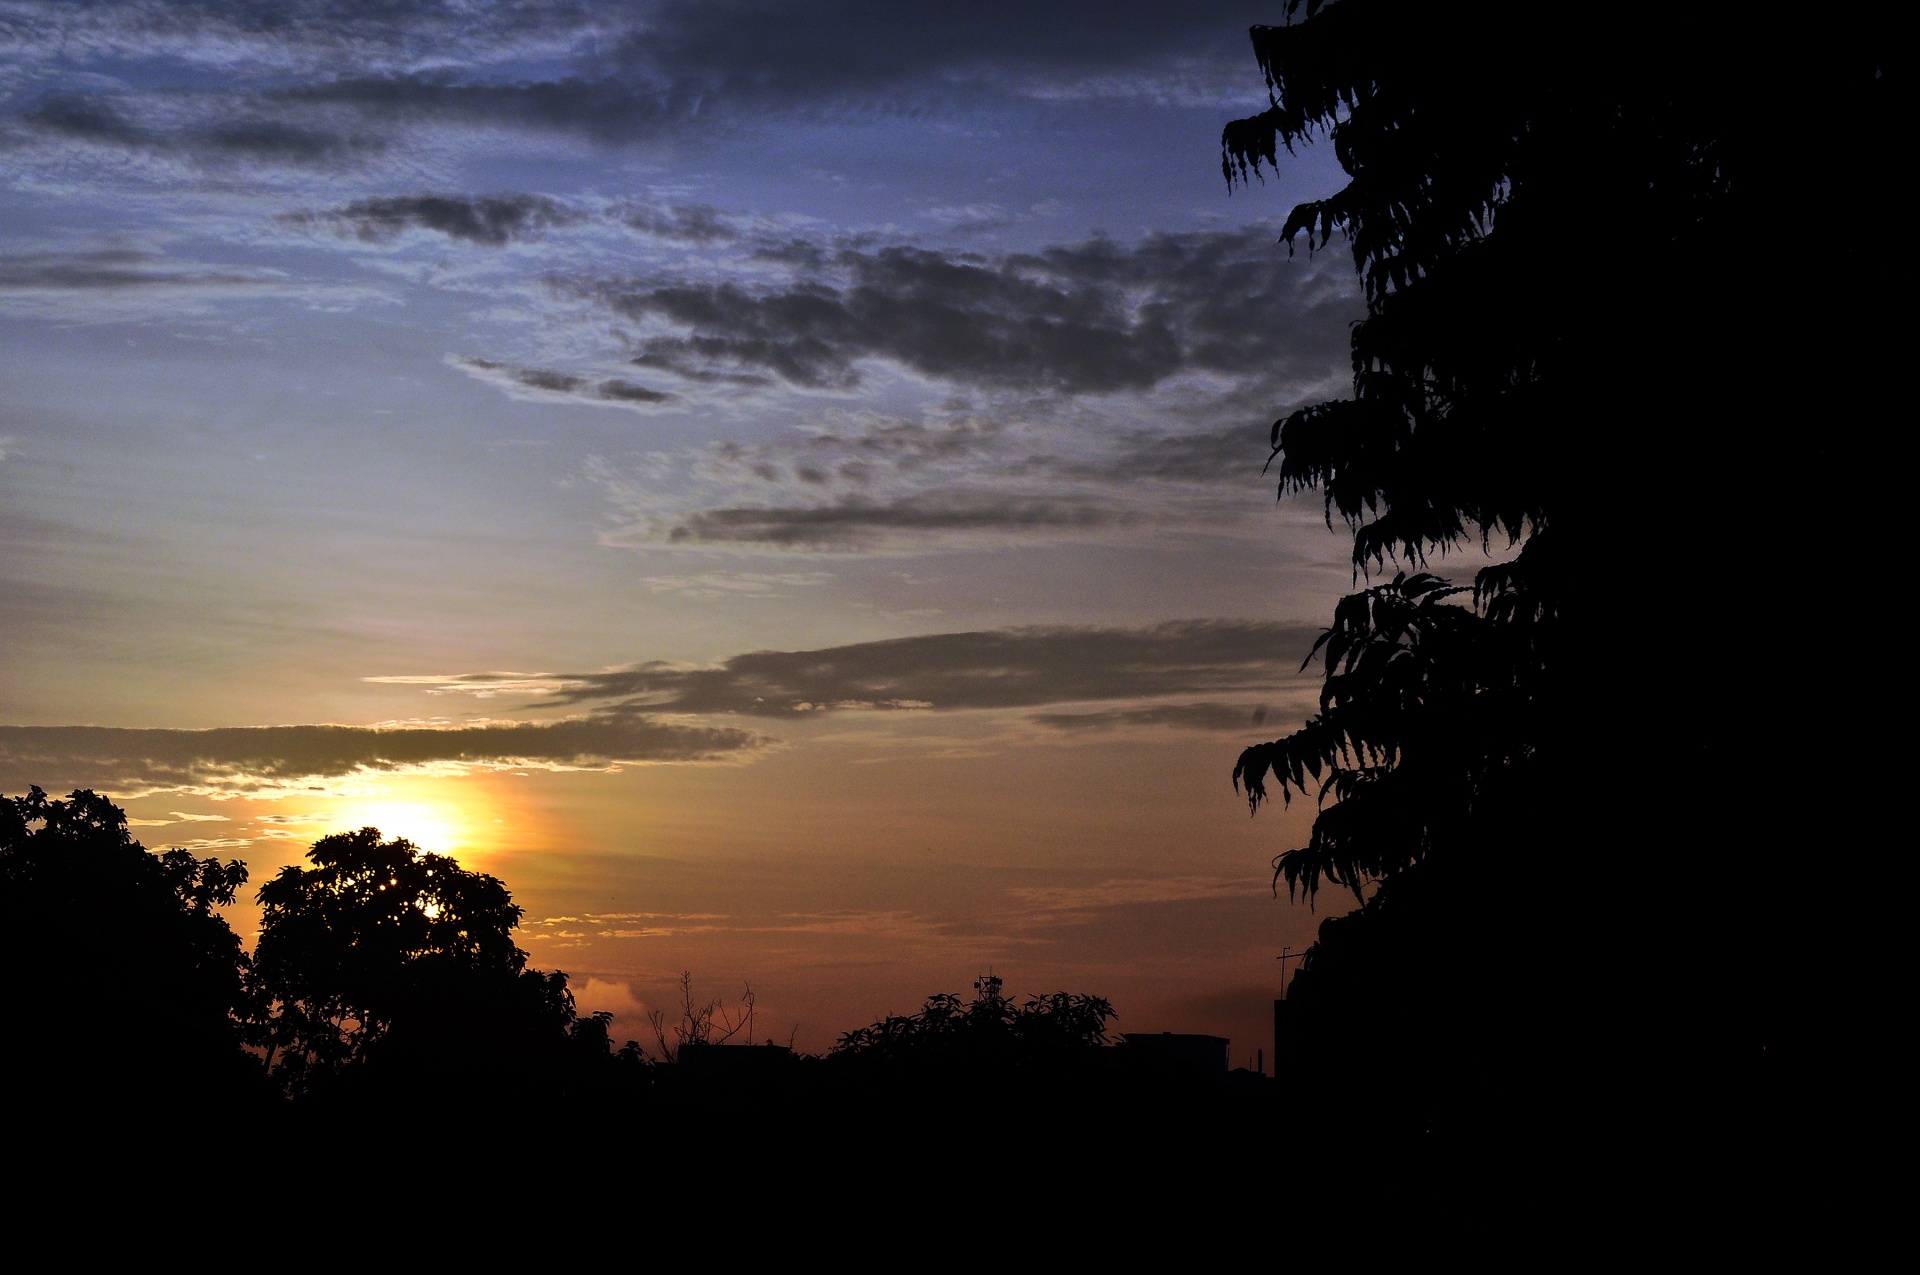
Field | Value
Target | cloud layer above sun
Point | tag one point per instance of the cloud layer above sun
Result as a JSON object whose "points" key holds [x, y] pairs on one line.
{"points": [[653, 713]]}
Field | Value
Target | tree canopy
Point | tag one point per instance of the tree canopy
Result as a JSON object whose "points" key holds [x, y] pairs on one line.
{"points": [[121, 985], [991, 1032], [381, 956], [1595, 345]]}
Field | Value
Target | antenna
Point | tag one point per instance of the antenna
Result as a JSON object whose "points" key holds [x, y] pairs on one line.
{"points": [[1287, 954]]}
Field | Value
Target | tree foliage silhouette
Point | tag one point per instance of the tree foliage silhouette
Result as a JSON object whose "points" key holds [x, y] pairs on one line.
{"points": [[380, 956], [990, 1032], [120, 984], [1577, 350]]}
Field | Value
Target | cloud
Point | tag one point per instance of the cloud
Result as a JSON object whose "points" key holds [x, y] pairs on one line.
{"points": [[118, 270], [903, 443], [287, 827], [996, 669], [969, 218], [1096, 317], [1088, 387], [782, 51], [179, 816], [203, 844], [736, 584], [246, 35], [279, 141], [1201, 716], [853, 522], [232, 760], [326, 82], [86, 117], [242, 131], [490, 220], [893, 924], [537, 384], [112, 284], [616, 998], [605, 109], [1127, 892], [479, 685], [691, 223], [1199, 457]]}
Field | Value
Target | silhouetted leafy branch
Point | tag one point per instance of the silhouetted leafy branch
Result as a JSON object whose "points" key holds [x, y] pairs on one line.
{"points": [[1422, 697]]}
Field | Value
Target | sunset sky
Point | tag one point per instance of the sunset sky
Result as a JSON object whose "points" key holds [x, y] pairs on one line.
{"points": [[779, 484]]}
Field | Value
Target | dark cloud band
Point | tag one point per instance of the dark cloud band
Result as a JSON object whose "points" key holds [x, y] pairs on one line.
{"points": [[1006, 668], [550, 382], [1205, 716], [240, 759], [492, 220], [119, 270], [1097, 317], [607, 69], [855, 523]]}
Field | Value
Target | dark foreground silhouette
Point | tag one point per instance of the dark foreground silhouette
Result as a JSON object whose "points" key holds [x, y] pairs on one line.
{"points": [[386, 1020], [1570, 802]]}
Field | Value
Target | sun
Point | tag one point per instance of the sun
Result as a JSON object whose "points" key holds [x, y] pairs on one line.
{"points": [[438, 827]]}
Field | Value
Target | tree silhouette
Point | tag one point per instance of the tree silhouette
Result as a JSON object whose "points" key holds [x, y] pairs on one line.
{"points": [[120, 985], [989, 1033], [714, 1023], [1591, 344], [391, 967]]}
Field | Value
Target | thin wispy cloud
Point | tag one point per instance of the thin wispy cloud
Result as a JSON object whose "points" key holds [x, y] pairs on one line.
{"points": [[178, 816], [206, 845], [737, 584], [116, 283], [550, 385], [1122, 892], [1204, 716], [684, 223]]}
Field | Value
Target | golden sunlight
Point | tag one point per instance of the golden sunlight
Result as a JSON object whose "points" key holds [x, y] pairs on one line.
{"points": [[439, 826]]}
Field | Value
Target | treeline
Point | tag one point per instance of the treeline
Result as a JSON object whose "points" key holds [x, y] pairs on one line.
{"points": [[385, 983]]}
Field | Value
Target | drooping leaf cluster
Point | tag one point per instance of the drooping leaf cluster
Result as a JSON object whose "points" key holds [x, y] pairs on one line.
{"points": [[1422, 699]]}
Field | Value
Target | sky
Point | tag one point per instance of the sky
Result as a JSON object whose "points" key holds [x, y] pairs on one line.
{"points": [[778, 484]]}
